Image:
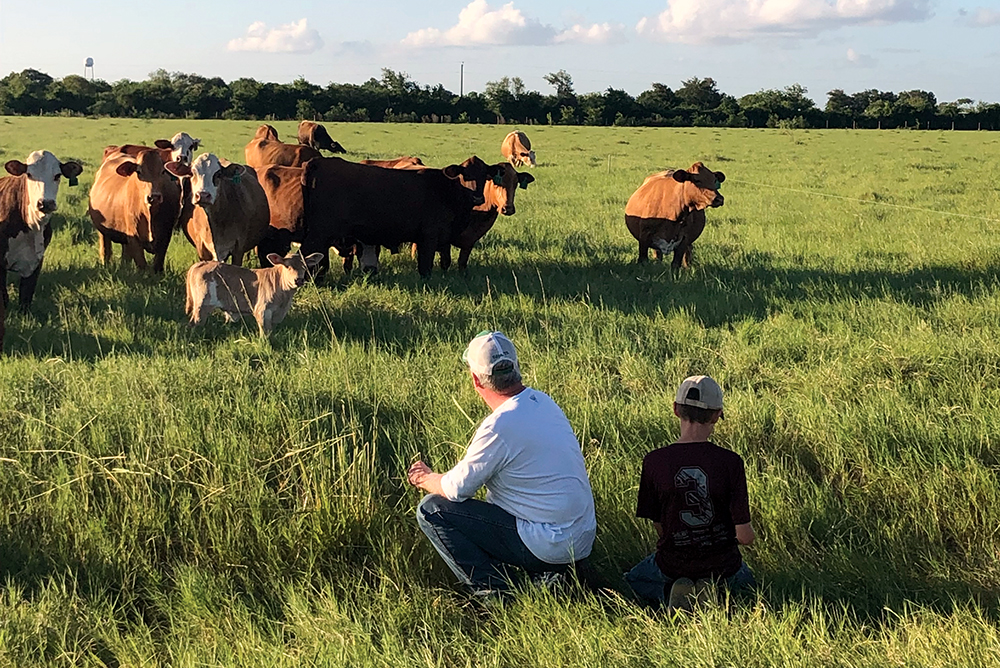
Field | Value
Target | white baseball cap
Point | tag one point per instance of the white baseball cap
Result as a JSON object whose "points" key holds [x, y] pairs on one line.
{"points": [[487, 350], [700, 392]]}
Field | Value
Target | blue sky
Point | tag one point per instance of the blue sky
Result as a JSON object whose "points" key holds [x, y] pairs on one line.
{"points": [[951, 47]]}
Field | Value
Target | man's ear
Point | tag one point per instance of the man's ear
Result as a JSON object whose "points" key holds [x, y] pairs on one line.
{"points": [[676, 411], [475, 380]]}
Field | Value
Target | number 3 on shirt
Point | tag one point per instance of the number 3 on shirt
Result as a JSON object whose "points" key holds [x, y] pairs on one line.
{"points": [[698, 510]]}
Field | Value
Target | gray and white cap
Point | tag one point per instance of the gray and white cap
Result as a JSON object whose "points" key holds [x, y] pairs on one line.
{"points": [[488, 350], [700, 392]]}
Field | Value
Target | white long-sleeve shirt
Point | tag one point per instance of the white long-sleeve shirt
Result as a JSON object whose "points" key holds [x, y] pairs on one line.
{"points": [[527, 456]]}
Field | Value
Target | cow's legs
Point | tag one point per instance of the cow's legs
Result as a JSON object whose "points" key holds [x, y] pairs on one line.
{"points": [[445, 261], [425, 258], [104, 247], [369, 258], [683, 256], [26, 290], [134, 251], [463, 258], [643, 253]]}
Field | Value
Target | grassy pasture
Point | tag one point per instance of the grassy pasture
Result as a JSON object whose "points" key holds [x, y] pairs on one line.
{"points": [[184, 498]]}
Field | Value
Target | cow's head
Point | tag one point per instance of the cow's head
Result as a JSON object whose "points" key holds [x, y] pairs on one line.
{"points": [[504, 185], [295, 269], [473, 175], [148, 169], [43, 172], [266, 132], [703, 185], [182, 147], [206, 174]]}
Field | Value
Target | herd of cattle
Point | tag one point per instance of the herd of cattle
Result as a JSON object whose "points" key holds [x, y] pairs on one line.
{"points": [[289, 193]]}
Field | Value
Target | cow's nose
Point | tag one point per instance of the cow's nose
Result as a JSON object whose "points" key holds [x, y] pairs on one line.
{"points": [[154, 198], [718, 200], [203, 198], [508, 210], [46, 205]]}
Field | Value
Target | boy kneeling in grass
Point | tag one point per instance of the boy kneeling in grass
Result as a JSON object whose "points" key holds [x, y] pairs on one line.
{"points": [[695, 493]]}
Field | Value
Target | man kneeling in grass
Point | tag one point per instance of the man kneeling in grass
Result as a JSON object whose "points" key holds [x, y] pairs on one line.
{"points": [[539, 510], [696, 495]]}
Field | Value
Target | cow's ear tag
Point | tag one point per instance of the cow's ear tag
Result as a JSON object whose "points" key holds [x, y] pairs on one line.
{"points": [[236, 179], [497, 179], [522, 185], [73, 181], [717, 184]]}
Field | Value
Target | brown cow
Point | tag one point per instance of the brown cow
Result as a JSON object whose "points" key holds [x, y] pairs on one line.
{"points": [[516, 149], [404, 162], [315, 136], [27, 199], [266, 294], [499, 193], [266, 149], [230, 212], [179, 149], [283, 187], [348, 203], [136, 203], [667, 212]]}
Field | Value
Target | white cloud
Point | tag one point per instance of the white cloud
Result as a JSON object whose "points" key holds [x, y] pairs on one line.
{"points": [[480, 24], [981, 17], [599, 33], [295, 37], [860, 59], [702, 21]]}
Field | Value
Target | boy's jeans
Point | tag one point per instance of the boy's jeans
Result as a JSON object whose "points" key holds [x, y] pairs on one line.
{"points": [[649, 583]]}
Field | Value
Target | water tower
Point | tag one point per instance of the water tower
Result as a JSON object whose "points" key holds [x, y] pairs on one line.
{"points": [[88, 64]]}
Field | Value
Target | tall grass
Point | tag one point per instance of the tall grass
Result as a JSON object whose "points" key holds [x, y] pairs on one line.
{"points": [[176, 497]]}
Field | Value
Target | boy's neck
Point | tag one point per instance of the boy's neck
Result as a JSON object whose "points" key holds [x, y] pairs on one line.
{"points": [[695, 432]]}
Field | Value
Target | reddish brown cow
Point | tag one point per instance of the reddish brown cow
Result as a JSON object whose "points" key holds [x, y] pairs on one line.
{"points": [[499, 194], [315, 135], [27, 198], [667, 212], [178, 149], [348, 203], [283, 187], [266, 149], [134, 202]]}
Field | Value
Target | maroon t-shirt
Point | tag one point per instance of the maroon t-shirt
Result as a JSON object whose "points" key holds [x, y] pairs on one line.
{"points": [[698, 492]]}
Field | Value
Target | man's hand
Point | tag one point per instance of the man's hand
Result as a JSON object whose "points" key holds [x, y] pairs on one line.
{"points": [[421, 476]]}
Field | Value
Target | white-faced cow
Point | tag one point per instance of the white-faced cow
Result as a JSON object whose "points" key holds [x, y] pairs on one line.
{"points": [[667, 212], [230, 213], [516, 149], [27, 199], [179, 149]]}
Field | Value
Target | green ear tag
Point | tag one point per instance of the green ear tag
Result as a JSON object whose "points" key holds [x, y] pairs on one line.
{"points": [[522, 185], [497, 179], [237, 178], [73, 181], [717, 184]]}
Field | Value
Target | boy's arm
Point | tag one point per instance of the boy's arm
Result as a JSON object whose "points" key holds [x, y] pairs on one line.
{"points": [[745, 534], [659, 529]]}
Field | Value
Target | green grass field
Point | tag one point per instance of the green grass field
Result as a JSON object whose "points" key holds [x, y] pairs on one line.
{"points": [[205, 498]]}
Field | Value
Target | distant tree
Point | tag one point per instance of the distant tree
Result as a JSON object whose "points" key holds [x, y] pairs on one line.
{"points": [[658, 103], [502, 96], [699, 94], [563, 83]]}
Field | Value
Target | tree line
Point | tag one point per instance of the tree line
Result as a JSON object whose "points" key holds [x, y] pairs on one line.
{"points": [[395, 97]]}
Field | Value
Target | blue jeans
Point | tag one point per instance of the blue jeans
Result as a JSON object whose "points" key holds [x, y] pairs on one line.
{"points": [[649, 583], [478, 541]]}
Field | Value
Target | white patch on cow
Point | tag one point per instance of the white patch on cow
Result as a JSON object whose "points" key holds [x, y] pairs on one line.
{"points": [[666, 246], [25, 252], [184, 146], [203, 171], [212, 298], [369, 257], [44, 172]]}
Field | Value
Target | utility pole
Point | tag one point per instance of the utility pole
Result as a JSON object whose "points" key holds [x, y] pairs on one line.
{"points": [[461, 80]]}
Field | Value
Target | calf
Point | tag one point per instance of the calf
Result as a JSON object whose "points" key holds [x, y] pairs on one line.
{"points": [[516, 149], [27, 199], [667, 212], [230, 213], [315, 136], [266, 149], [266, 294], [136, 203]]}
